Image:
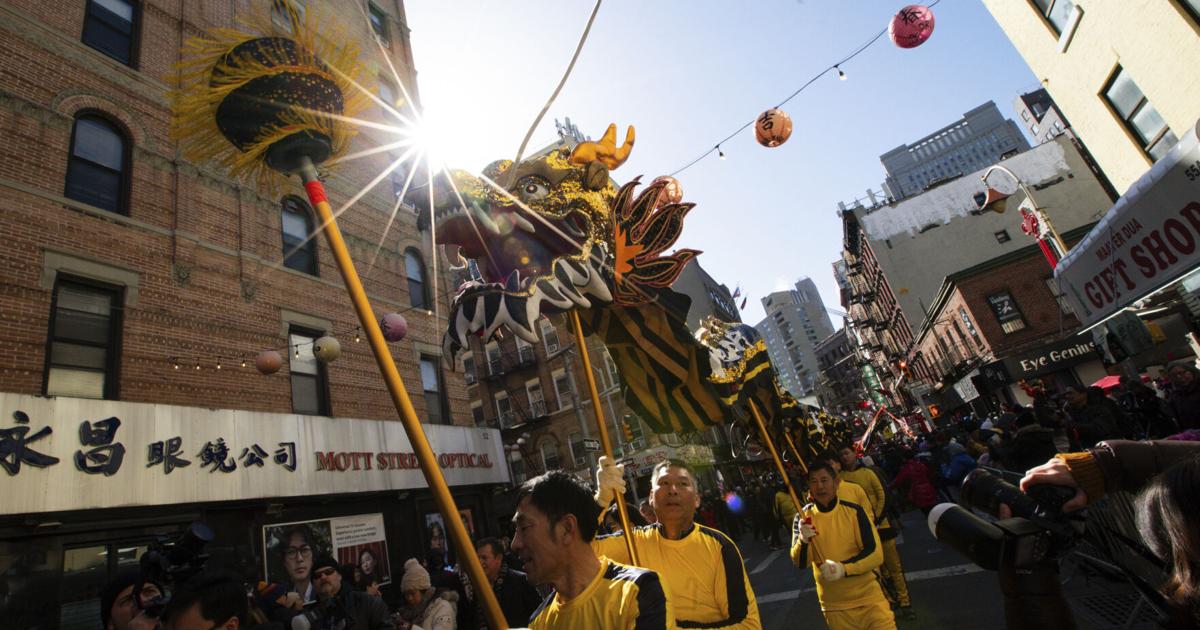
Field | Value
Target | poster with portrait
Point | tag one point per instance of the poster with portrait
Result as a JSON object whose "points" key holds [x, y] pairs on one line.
{"points": [[436, 541], [358, 543]]}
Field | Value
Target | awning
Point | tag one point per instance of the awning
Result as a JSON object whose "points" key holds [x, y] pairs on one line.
{"points": [[1147, 240]]}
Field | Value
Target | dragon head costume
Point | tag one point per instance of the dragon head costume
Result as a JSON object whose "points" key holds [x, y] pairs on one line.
{"points": [[554, 233]]}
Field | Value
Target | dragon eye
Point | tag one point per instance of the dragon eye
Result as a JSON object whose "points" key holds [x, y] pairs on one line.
{"points": [[533, 188]]}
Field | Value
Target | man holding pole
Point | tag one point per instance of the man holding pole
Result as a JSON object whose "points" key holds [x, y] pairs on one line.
{"points": [[702, 567], [853, 470]]}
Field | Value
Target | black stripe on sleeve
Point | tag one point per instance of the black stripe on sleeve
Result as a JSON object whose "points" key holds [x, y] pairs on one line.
{"points": [[864, 531], [651, 603], [735, 584]]}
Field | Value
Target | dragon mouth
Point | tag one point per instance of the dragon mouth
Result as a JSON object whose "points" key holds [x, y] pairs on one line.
{"points": [[526, 271]]}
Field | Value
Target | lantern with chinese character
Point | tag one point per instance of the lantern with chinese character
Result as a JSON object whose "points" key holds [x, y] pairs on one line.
{"points": [[672, 192], [394, 326], [268, 362], [327, 349], [773, 128], [911, 26]]}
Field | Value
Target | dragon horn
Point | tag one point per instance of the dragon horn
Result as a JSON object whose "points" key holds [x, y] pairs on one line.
{"points": [[605, 151]]}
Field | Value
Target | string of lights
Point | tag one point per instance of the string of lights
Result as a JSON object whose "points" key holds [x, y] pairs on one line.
{"points": [[834, 67]]}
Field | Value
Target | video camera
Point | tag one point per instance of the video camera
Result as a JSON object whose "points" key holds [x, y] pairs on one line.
{"points": [[1036, 530], [169, 563]]}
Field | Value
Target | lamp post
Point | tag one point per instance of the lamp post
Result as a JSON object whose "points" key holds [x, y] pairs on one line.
{"points": [[1035, 221]]}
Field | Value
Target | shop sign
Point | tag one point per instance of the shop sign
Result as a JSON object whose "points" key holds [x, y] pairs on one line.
{"points": [[72, 454], [1148, 239], [1051, 358], [590, 445], [290, 549], [642, 462], [965, 388]]}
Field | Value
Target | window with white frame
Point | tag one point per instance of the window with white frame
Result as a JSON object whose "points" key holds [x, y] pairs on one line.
{"points": [[562, 389], [518, 467], [493, 357], [504, 411], [550, 455], [537, 404], [469, 368], [578, 452], [549, 335], [524, 350]]}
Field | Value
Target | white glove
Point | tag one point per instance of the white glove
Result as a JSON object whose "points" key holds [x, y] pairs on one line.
{"points": [[610, 481], [832, 571], [807, 531]]}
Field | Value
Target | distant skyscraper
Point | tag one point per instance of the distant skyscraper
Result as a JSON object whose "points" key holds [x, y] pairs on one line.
{"points": [[976, 141], [796, 322], [1040, 116]]}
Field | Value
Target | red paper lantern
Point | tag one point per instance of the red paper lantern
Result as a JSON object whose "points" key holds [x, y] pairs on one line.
{"points": [[394, 326], [672, 192], [911, 26], [268, 362], [773, 128]]}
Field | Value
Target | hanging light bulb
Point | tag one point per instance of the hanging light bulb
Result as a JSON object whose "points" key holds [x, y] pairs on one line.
{"points": [[357, 339], [176, 365], [197, 365], [841, 75], [218, 365], [297, 352], [243, 363], [720, 153]]}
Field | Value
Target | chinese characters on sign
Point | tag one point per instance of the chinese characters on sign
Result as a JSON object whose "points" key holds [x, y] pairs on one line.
{"points": [[103, 454]]}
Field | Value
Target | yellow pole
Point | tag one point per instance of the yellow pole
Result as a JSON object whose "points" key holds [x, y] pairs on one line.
{"points": [[762, 428], [408, 415], [787, 434], [602, 426]]}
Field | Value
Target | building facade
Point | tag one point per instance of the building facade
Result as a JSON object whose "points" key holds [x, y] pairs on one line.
{"points": [[1122, 72], [981, 137], [796, 322], [920, 240], [138, 291], [839, 387], [1041, 117]]}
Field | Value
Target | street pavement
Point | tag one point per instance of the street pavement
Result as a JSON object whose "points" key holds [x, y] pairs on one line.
{"points": [[947, 590]]}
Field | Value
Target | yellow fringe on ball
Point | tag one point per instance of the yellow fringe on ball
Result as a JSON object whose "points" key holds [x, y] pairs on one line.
{"points": [[195, 101]]}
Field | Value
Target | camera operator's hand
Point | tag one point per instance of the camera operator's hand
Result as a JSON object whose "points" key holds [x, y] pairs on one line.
{"points": [[807, 531], [832, 570], [610, 481], [1056, 472]]}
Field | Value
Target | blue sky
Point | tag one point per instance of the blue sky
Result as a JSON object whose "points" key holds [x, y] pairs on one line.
{"points": [[687, 74]]}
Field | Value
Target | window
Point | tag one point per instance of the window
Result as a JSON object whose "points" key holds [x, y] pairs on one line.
{"points": [[85, 571], [379, 23], [524, 350], [537, 404], [477, 414], [578, 452], [1138, 115], [1002, 236], [310, 385], [387, 91], [517, 463], [1192, 7], [493, 358], [469, 368], [562, 389], [431, 383], [550, 455], [415, 269], [97, 169], [1006, 311], [1057, 12], [504, 410], [108, 26], [549, 335], [85, 336], [299, 250]]}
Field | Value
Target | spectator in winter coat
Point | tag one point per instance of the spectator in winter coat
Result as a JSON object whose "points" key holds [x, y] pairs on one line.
{"points": [[1031, 444], [919, 479], [1185, 395], [957, 468], [1091, 420], [426, 608]]}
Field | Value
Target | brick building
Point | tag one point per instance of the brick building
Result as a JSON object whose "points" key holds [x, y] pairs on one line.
{"points": [[140, 287]]}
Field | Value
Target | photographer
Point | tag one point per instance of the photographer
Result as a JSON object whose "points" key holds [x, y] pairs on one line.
{"points": [[123, 599], [340, 606], [1110, 466], [208, 601]]}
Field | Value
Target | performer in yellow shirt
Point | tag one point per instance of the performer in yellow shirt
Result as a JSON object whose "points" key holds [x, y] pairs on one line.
{"points": [[852, 470], [702, 567], [837, 538], [555, 525]]}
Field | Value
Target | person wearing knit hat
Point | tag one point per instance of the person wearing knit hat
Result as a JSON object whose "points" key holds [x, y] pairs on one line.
{"points": [[425, 607], [362, 611], [122, 600]]}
